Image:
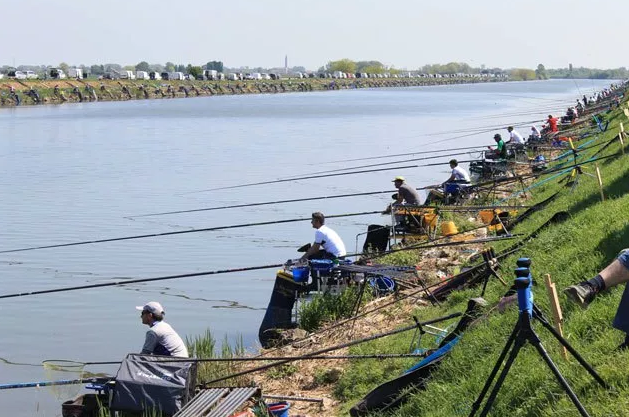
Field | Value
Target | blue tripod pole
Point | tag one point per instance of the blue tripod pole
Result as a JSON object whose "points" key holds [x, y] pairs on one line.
{"points": [[523, 332]]}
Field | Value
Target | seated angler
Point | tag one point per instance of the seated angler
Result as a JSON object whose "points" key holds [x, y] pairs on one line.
{"points": [[327, 243], [551, 126], [160, 339], [501, 150], [459, 179], [515, 138], [406, 195], [535, 135]]}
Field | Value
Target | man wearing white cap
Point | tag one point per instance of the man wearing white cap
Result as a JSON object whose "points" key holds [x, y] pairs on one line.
{"points": [[161, 339]]}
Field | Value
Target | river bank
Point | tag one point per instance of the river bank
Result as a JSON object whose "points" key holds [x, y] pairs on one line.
{"points": [[37, 92], [569, 251]]}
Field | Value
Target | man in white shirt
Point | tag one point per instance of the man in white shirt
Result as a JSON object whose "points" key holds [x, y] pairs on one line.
{"points": [[515, 137], [535, 134], [327, 243], [459, 175]]}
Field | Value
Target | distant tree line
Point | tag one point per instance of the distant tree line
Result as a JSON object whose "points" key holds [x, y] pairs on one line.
{"points": [[348, 66], [100, 69]]}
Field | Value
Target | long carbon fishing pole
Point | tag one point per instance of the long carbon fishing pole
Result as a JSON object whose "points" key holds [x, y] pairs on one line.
{"points": [[51, 383], [296, 200], [277, 358], [233, 206], [337, 347], [388, 163], [406, 154], [310, 177], [205, 273], [181, 232]]}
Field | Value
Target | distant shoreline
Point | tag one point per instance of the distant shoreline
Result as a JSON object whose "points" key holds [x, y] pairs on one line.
{"points": [[40, 92]]}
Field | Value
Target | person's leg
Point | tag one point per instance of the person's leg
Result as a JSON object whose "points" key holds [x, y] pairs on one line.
{"points": [[615, 273]]}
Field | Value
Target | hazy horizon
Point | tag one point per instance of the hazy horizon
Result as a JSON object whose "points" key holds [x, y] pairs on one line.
{"points": [[405, 34]]}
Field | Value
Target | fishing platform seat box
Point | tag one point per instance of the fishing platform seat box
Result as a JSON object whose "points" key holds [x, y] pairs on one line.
{"points": [[147, 382]]}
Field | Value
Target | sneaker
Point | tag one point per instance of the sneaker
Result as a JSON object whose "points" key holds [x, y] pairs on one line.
{"points": [[581, 294]]}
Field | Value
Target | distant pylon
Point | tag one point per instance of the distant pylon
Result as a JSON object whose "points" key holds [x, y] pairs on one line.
{"points": [[286, 64]]}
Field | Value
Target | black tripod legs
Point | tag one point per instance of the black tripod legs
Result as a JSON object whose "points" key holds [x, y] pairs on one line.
{"points": [[519, 342], [538, 315], [560, 378], [522, 333], [494, 371]]}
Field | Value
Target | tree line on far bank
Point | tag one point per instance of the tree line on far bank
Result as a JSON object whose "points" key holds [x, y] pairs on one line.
{"points": [[524, 74], [350, 66]]}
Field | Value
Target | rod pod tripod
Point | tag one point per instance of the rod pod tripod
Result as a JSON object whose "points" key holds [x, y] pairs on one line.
{"points": [[522, 333]]}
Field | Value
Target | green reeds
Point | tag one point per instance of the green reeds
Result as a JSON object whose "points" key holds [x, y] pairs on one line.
{"points": [[205, 347], [328, 307]]}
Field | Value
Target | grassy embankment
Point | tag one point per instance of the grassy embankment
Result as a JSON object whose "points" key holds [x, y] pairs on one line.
{"points": [[570, 252], [159, 89]]}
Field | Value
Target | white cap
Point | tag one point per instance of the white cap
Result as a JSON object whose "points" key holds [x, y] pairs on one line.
{"points": [[152, 307]]}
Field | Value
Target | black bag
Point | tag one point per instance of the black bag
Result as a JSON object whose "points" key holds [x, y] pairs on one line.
{"points": [[154, 382]]}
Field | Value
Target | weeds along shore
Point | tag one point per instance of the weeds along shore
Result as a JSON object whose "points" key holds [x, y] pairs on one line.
{"points": [[38, 92]]}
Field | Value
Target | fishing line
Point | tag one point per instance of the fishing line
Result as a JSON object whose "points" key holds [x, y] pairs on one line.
{"points": [[262, 204], [309, 177], [181, 232], [384, 163], [206, 273], [337, 347]]}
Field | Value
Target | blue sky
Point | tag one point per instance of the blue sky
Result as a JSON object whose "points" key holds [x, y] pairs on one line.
{"points": [[403, 33]]}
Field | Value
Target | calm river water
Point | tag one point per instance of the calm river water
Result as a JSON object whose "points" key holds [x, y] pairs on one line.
{"points": [[82, 171]]}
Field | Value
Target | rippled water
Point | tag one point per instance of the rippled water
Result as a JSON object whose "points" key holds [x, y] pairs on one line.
{"points": [[82, 171]]}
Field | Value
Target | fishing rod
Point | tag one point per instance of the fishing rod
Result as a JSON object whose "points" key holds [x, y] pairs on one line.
{"points": [[441, 245], [296, 200], [536, 98], [140, 280], [199, 274], [406, 154], [479, 128], [181, 232], [388, 163], [53, 383], [309, 177], [233, 206], [277, 358], [380, 164], [337, 347]]}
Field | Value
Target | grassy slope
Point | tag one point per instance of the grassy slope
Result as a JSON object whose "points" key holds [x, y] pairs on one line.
{"points": [[571, 252]]}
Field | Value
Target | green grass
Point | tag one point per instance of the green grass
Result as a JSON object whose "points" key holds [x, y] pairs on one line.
{"points": [[570, 252]]}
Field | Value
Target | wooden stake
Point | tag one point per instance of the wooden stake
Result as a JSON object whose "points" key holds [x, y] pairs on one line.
{"points": [[622, 143], [556, 308], [600, 182]]}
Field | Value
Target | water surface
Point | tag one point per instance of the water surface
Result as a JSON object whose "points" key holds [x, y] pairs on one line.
{"points": [[81, 171]]}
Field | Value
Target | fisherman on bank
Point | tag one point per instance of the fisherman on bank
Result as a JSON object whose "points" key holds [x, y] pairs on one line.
{"points": [[614, 274], [551, 125], [406, 195], [161, 339], [515, 138], [327, 243], [535, 135], [459, 178], [501, 150]]}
